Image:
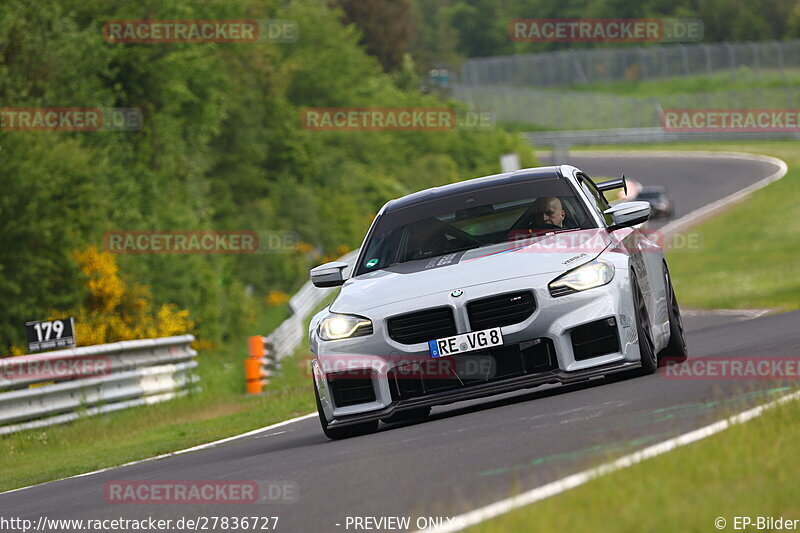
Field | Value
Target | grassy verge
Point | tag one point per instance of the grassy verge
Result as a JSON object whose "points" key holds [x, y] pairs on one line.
{"points": [[219, 410], [742, 79], [749, 256], [748, 470]]}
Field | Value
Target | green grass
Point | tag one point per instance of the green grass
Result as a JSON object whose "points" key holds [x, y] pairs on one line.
{"points": [[630, 103], [219, 410], [749, 256], [747, 470], [741, 79]]}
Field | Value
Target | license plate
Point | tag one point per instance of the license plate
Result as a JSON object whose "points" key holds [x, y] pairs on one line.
{"points": [[466, 342]]}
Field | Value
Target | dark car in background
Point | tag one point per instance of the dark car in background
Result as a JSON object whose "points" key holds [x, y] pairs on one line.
{"points": [[660, 200]]}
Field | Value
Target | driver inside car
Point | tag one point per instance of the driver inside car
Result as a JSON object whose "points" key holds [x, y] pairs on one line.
{"points": [[547, 212]]}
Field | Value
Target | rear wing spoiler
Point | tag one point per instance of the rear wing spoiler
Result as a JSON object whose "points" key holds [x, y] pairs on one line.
{"points": [[613, 184]]}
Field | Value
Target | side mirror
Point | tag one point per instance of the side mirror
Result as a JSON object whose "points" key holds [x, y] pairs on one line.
{"points": [[328, 275], [628, 214]]}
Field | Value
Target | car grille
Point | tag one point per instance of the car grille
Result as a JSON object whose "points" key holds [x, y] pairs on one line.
{"points": [[501, 310], [467, 370], [422, 326]]}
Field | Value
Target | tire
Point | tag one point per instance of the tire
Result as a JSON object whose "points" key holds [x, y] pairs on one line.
{"points": [[356, 430], [412, 415], [646, 347], [676, 349]]}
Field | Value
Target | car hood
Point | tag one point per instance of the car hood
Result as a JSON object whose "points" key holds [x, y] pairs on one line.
{"points": [[549, 254]]}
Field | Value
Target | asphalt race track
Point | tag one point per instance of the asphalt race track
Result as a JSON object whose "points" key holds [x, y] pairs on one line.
{"points": [[471, 453], [692, 181]]}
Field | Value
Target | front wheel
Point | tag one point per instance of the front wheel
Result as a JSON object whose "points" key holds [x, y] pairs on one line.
{"points": [[676, 349], [646, 348], [345, 432]]}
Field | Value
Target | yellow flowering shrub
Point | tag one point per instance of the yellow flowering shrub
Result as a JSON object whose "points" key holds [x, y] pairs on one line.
{"points": [[304, 247], [114, 311], [276, 298]]}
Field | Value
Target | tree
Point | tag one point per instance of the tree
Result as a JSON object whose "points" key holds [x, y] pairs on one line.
{"points": [[385, 26]]}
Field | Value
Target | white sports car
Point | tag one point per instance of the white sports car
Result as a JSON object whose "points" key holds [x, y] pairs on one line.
{"points": [[486, 286]]}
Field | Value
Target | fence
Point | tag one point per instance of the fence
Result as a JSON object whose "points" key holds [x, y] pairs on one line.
{"points": [[575, 67], [561, 109], [92, 380]]}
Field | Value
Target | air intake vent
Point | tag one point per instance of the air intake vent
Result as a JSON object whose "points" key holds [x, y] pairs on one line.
{"points": [[422, 326], [351, 387], [502, 310], [595, 339]]}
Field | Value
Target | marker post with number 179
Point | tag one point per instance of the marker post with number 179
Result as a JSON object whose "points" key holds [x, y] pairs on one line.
{"points": [[50, 334]]}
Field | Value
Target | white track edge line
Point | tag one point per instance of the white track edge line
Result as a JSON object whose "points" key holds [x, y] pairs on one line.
{"points": [[172, 454], [716, 206], [575, 480]]}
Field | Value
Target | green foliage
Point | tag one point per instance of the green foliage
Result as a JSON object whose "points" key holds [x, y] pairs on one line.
{"points": [[479, 28], [385, 25], [221, 148]]}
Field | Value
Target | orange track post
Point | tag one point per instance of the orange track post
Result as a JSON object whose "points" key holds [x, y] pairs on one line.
{"points": [[253, 372]]}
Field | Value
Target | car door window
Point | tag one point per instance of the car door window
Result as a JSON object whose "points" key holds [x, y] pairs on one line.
{"points": [[596, 198]]}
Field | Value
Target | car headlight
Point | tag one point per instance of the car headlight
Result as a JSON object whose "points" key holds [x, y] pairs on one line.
{"points": [[335, 326], [593, 274]]}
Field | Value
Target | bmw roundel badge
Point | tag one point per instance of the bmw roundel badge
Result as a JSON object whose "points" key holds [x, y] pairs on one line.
{"points": [[456, 293]]}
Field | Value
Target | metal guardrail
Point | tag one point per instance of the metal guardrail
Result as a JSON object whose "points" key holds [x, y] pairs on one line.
{"points": [[643, 136], [561, 141], [288, 336], [56, 387]]}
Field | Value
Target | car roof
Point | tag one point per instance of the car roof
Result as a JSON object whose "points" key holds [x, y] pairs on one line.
{"points": [[434, 193]]}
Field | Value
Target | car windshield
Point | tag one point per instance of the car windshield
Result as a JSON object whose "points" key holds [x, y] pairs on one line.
{"points": [[471, 220]]}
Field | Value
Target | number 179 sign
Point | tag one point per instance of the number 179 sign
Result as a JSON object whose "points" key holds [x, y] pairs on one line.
{"points": [[50, 334]]}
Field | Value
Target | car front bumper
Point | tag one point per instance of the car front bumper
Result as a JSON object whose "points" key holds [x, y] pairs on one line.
{"points": [[553, 321]]}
